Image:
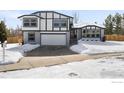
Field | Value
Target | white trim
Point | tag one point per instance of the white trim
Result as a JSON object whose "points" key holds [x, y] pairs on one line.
{"points": [[53, 32]]}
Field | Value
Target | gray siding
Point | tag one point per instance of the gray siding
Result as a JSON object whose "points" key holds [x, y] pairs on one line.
{"points": [[37, 37], [79, 34], [68, 38], [102, 32], [25, 36]]}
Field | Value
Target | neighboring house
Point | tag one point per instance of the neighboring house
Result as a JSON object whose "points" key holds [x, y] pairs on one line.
{"points": [[53, 28], [46, 28]]}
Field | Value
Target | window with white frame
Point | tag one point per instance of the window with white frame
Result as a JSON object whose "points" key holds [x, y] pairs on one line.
{"points": [[30, 22], [59, 23]]}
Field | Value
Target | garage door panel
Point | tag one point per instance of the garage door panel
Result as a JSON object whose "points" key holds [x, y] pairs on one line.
{"points": [[53, 39]]}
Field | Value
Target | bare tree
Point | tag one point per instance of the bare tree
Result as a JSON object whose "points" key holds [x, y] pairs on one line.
{"points": [[76, 17]]}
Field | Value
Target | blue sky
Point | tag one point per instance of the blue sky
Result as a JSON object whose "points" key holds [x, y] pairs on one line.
{"points": [[85, 16]]}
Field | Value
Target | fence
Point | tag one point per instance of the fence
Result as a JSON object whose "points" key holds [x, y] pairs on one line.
{"points": [[15, 39], [18, 39], [115, 37]]}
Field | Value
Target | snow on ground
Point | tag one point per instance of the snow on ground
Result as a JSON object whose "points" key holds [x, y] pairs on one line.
{"points": [[99, 68], [14, 52], [91, 47]]}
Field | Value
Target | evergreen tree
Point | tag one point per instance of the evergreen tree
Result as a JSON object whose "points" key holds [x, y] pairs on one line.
{"points": [[117, 22], [122, 25], [3, 34], [109, 25]]}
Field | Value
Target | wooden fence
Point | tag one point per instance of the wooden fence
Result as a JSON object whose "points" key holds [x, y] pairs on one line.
{"points": [[115, 37], [15, 39]]}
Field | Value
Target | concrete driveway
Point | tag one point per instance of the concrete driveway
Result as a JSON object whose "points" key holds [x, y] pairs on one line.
{"points": [[50, 51], [45, 56]]}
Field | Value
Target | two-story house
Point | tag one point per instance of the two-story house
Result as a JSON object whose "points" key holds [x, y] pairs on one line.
{"points": [[46, 28], [53, 28]]}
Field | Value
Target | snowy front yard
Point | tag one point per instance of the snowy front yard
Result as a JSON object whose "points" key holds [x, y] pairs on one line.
{"points": [[107, 67], [14, 52], [99, 68], [91, 47]]}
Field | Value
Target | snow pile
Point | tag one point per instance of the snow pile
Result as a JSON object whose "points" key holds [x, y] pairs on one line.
{"points": [[78, 48], [14, 52], [93, 47], [29, 47], [10, 57], [99, 68]]}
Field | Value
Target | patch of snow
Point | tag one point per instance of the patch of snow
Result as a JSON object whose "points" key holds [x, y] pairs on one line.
{"points": [[98, 68], [82, 24], [29, 47], [78, 48], [91, 47], [13, 52]]}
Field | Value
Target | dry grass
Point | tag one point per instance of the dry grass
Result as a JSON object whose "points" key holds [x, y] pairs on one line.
{"points": [[15, 39]]}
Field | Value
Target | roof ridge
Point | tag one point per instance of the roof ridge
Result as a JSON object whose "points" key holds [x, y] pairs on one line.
{"points": [[52, 11]]}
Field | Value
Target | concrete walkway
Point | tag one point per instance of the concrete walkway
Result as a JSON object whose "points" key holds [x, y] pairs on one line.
{"points": [[33, 62]]}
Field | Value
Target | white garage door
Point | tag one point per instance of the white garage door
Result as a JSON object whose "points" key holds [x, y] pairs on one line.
{"points": [[53, 39]]}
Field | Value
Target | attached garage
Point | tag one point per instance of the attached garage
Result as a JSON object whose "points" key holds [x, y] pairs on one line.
{"points": [[53, 39]]}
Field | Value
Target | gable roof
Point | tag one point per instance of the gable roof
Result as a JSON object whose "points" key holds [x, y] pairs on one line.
{"points": [[30, 15], [53, 12], [93, 26]]}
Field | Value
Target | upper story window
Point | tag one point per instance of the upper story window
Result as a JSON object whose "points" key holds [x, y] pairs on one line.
{"points": [[60, 23], [63, 24], [30, 22]]}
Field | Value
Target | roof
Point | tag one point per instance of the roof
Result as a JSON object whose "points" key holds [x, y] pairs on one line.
{"points": [[54, 12], [81, 25], [30, 15]]}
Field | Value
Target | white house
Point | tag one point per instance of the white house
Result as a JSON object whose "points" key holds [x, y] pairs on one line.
{"points": [[46, 28], [53, 28]]}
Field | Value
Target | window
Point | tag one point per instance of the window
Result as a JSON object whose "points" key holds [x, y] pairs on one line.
{"points": [[59, 23], [30, 22], [34, 22], [97, 35], [88, 35], [33, 25], [56, 24], [93, 27], [26, 25], [84, 31], [88, 27], [26, 22], [93, 31], [92, 35], [63, 24], [31, 37], [83, 36]]}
